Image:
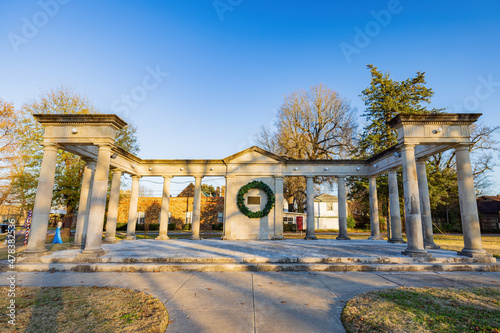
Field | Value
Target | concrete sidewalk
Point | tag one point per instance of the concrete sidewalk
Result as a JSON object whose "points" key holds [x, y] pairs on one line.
{"points": [[255, 301]]}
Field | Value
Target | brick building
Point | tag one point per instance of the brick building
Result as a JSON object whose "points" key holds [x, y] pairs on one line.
{"points": [[180, 208]]}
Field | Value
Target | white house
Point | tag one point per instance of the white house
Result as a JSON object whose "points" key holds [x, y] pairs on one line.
{"points": [[326, 212]]}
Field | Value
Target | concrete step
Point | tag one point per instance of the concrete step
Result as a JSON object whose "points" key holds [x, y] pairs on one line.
{"points": [[240, 267], [262, 260]]}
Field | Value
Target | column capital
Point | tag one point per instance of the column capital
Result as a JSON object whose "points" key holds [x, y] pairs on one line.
{"points": [[49, 146], [279, 176], [89, 160], [392, 171], [198, 176], [136, 176], [340, 177], [407, 146], [463, 146], [105, 146], [421, 160], [167, 177]]}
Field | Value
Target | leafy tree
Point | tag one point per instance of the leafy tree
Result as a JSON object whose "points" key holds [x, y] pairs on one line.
{"points": [[8, 148], [69, 169], [209, 190], [311, 125]]}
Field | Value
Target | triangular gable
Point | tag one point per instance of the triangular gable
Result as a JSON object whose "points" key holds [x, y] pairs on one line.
{"points": [[325, 197], [254, 155]]}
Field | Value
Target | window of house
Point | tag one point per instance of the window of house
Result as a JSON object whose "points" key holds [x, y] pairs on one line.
{"points": [[329, 206], [287, 220], [253, 200], [189, 216], [140, 217], [220, 217]]}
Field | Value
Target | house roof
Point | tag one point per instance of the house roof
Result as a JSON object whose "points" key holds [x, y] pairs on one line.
{"points": [[487, 204], [188, 191], [326, 198]]}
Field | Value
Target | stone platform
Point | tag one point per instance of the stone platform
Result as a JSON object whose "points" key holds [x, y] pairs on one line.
{"points": [[285, 255]]}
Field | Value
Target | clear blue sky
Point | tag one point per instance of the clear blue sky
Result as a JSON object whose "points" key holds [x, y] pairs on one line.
{"points": [[230, 62]]}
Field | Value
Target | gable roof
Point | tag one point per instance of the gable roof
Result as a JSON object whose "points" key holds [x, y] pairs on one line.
{"points": [[326, 198], [188, 191], [255, 149]]}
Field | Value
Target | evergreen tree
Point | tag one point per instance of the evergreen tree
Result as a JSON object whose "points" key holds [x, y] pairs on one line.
{"points": [[384, 99]]}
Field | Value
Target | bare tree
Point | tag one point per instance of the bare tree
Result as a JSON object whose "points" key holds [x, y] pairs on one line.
{"points": [[311, 125]]}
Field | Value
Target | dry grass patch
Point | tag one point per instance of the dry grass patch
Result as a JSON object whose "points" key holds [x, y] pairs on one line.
{"points": [[456, 243], [424, 310], [83, 309]]}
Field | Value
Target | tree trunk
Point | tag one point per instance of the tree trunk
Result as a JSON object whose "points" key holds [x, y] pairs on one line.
{"points": [[66, 229]]}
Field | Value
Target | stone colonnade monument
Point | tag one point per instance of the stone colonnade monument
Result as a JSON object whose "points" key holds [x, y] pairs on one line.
{"points": [[253, 205]]}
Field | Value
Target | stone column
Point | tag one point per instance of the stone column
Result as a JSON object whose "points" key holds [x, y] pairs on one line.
{"points": [[396, 235], [342, 210], [425, 206], [412, 204], [43, 202], [98, 203], [164, 209], [278, 208], [114, 200], [132, 210], [310, 234], [374, 222], [468, 205], [82, 220], [195, 227], [229, 210]]}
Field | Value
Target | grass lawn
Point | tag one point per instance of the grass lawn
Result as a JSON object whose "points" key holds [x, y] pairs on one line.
{"points": [[424, 310], [83, 309]]}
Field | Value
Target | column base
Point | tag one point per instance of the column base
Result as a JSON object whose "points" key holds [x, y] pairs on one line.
{"points": [[397, 241], [375, 238], [35, 253], [311, 237], [416, 253], [195, 237], [76, 246], [130, 238], [431, 246], [342, 238], [281, 237], [110, 240], [90, 254], [474, 253], [162, 237]]}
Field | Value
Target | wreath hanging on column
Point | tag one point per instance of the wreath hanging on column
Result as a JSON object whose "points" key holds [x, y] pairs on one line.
{"points": [[240, 199]]}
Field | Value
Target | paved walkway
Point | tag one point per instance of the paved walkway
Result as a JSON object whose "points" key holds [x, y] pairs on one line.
{"points": [[256, 301]]}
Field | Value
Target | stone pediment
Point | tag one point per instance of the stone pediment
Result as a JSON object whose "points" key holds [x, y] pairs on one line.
{"points": [[254, 155]]}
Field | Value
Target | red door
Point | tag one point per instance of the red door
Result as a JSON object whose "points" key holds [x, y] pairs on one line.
{"points": [[299, 223]]}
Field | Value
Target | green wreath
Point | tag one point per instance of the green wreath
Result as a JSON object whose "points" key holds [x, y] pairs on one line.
{"points": [[240, 199]]}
